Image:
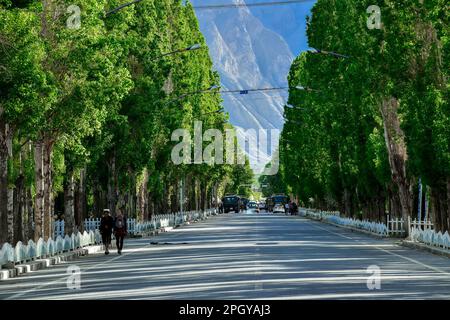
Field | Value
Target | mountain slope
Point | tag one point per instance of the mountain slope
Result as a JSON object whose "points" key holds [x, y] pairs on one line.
{"points": [[248, 56]]}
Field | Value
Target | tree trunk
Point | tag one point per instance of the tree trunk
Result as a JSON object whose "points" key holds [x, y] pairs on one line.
{"points": [[48, 186], [151, 206], [132, 195], [69, 203], [196, 194], [347, 203], [166, 198], [25, 153], [435, 213], [397, 154], [18, 203], [143, 198], [10, 215], [30, 213], [112, 196], [205, 196], [39, 197], [11, 197], [175, 196], [381, 206], [18, 209], [188, 193], [447, 214], [81, 206], [4, 153], [10, 206], [99, 198], [443, 210]]}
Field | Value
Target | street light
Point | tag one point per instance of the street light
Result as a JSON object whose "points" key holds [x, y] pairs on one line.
{"points": [[289, 106], [210, 89], [115, 10], [292, 121], [216, 111], [191, 48], [194, 47], [330, 53], [214, 87], [306, 89]]}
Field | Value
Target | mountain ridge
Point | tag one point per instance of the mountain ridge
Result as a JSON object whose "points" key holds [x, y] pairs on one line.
{"points": [[248, 55]]}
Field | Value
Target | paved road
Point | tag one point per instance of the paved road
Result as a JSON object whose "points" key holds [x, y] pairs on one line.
{"points": [[246, 256]]}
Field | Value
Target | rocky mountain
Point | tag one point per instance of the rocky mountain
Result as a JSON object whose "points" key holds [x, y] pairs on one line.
{"points": [[248, 55]]}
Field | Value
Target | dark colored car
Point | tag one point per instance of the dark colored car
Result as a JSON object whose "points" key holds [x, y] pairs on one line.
{"points": [[253, 205], [231, 203]]}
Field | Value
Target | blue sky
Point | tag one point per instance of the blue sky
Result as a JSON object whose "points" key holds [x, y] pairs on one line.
{"points": [[288, 20]]}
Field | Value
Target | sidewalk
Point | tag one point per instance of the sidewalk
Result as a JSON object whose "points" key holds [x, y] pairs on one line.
{"points": [[12, 271], [16, 270], [402, 242]]}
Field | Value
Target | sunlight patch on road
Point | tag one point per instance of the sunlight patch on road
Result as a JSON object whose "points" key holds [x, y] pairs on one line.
{"points": [[343, 283]]}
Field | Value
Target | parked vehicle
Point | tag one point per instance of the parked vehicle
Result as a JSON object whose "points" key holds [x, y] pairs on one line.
{"points": [[278, 208], [253, 205], [231, 203], [277, 199], [262, 205]]}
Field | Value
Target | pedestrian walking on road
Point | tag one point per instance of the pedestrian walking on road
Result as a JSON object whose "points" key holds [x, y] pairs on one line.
{"points": [[287, 208], [106, 228], [294, 208], [120, 230]]}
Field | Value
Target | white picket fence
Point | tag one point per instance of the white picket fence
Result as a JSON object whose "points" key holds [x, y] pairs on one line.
{"points": [[422, 225], [395, 226], [392, 227], [316, 214], [430, 237], [374, 227], [94, 224], [21, 252], [58, 229], [26, 252], [420, 230], [156, 222]]}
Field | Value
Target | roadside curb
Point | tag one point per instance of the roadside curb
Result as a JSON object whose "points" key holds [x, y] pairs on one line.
{"points": [[424, 247], [405, 243], [13, 271], [43, 263], [349, 228], [357, 230]]}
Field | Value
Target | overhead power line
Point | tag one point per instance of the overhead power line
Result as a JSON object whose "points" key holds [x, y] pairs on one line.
{"points": [[247, 91], [121, 7], [220, 6], [244, 5], [242, 92]]}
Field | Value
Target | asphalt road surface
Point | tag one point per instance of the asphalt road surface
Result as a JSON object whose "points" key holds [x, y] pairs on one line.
{"points": [[247, 256]]}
